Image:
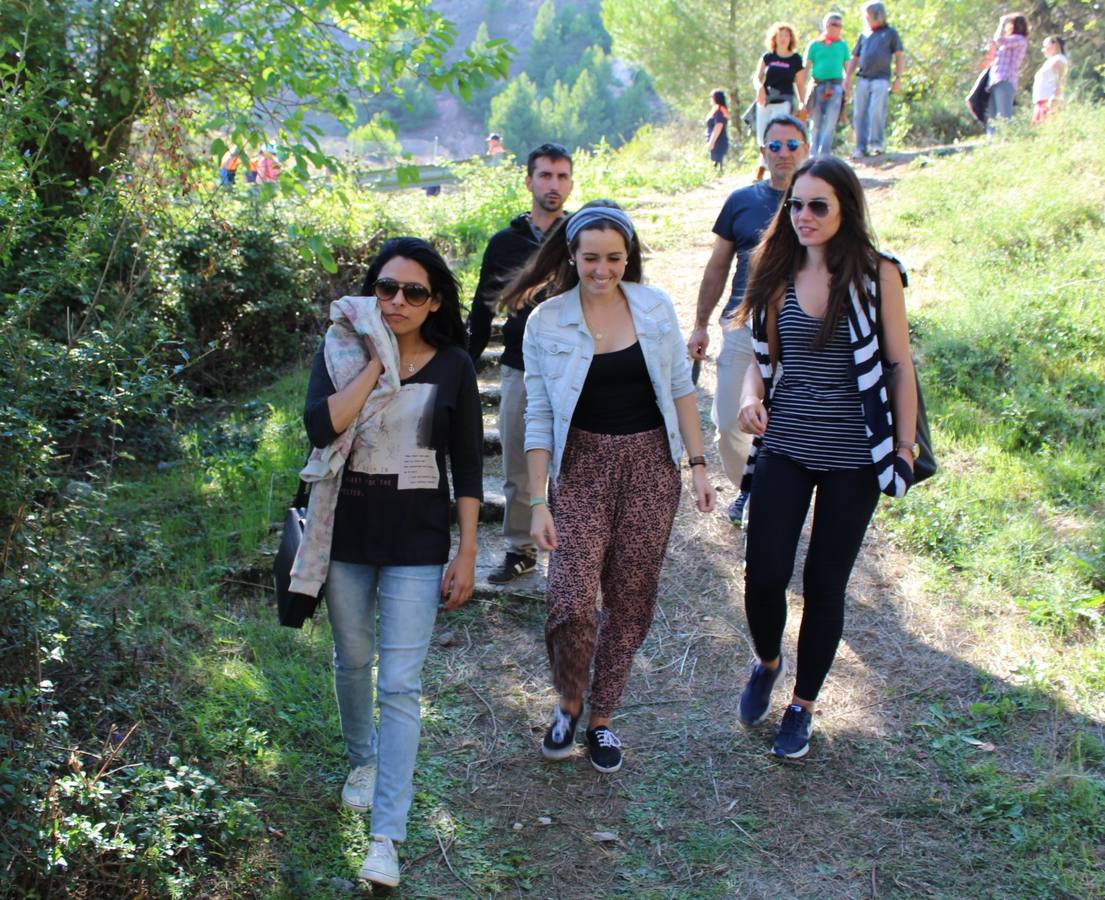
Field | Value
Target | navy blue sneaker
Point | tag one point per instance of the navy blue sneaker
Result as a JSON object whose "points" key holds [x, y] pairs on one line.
{"points": [[756, 696], [792, 741], [737, 511]]}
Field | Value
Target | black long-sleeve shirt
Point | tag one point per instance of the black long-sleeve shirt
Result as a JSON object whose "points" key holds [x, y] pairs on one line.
{"points": [[393, 506], [506, 253]]}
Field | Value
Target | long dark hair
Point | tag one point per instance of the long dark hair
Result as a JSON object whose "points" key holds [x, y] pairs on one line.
{"points": [[717, 95], [850, 254], [549, 271], [1020, 24], [443, 327]]}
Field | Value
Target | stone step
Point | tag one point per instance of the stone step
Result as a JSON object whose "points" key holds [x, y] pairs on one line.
{"points": [[490, 392], [488, 362], [491, 510]]}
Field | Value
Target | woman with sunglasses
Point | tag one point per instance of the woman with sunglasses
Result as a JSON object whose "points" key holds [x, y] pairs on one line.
{"points": [[610, 407], [393, 391], [828, 307]]}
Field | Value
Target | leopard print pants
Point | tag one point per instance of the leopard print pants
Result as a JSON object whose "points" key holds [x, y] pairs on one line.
{"points": [[613, 504]]}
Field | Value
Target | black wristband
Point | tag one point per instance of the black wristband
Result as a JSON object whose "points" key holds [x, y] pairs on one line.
{"points": [[696, 461]]}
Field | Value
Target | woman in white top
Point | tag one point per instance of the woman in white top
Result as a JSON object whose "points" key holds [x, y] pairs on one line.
{"points": [[1047, 85]]}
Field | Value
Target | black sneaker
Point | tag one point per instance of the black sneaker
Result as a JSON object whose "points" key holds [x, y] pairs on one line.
{"points": [[756, 696], [793, 738], [514, 564], [560, 739], [605, 749]]}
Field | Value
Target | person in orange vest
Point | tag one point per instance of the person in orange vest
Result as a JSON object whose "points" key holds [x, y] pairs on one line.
{"points": [[228, 168]]}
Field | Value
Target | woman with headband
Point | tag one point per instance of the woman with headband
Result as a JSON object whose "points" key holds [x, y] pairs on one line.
{"points": [[610, 409]]}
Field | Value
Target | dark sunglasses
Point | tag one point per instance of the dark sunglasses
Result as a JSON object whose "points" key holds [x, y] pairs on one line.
{"points": [[414, 293], [792, 145], [819, 208]]}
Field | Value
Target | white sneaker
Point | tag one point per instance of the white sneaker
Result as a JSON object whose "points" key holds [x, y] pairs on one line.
{"points": [[381, 865], [358, 789]]}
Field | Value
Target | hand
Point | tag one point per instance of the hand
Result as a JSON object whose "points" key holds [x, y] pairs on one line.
{"points": [[704, 493], [542, 529], [761, 97], [698, 342], [907, 454], [752, 418], [896, 85], [459, 579]]}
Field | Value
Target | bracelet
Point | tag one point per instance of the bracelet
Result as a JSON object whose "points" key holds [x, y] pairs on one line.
{"points": [[537, 501], [696, 461]]}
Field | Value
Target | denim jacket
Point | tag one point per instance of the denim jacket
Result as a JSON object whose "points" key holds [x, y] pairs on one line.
{"points": [[557, 348]]}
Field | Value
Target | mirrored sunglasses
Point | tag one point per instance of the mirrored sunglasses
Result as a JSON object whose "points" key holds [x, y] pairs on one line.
{"points": [[819, 208], [414, 293], [792, 144]]}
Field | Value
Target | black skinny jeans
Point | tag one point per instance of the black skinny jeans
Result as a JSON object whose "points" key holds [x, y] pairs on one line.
{"points": [[781, 492]]}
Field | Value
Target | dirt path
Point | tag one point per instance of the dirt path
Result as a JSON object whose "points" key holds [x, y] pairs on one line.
{"points": [[700, 809]]}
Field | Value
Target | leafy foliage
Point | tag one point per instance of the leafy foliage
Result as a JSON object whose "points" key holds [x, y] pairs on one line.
{"points": [[569, 92]]}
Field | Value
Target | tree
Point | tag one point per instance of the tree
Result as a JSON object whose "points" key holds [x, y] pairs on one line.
{"points": [[244, 69], [515, 115]]}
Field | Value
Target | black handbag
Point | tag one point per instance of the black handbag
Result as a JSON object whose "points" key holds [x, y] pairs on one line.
{"points": [[292, 609], [924, 466]]}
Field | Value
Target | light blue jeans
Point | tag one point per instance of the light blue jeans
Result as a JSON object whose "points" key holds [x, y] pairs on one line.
{"points": [[1000, 105], [825, 116], [406, 598], [869, 112]]}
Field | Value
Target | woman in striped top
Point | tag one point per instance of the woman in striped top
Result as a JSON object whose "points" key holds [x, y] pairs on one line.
{"points": [[815, 295]]}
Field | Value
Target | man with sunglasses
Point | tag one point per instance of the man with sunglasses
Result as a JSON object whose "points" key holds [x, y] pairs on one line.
{"points": [[549, 181], [747, 212]]}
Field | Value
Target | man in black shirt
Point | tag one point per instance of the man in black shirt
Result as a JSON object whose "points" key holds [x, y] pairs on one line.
{"points": [[549, 181]]}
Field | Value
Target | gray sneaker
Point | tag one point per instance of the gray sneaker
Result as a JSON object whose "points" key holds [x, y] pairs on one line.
{"points": [[381, 864], [359, 788]]}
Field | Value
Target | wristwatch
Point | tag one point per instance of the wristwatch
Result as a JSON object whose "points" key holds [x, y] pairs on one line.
{"points": [[913, 448], [696, 461]]}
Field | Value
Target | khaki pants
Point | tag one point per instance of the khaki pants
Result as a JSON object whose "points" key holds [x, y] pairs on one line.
{"points": [[512, 431], [733, 361]]}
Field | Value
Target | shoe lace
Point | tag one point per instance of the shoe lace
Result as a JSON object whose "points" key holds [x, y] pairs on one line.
{"points": [[361, 776], [606, 738], [561, 723]]}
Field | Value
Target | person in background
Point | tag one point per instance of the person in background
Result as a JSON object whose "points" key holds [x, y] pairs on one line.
{"points": [[228, 167], [816, 290], [494, 144], [826, 58], [611, 408], [717, 129], [402, 400], [268, 169], [1009, 46], [874, 53], [743, 218], [779, 74], [1047, 85], [549, 182], [251, 171]]}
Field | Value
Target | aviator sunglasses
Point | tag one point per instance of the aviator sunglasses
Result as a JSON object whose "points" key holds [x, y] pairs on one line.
{"points": [[416, 294], [791, 143], [819, 208]]}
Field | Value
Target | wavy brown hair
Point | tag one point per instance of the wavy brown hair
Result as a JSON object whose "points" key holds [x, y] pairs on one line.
{"points": [[850, 254], [549, 271]]}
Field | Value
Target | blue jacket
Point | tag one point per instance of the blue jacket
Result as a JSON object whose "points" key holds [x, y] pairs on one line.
{"points": [[558, 348]]}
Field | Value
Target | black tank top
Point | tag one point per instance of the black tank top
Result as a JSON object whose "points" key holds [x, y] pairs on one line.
{"points": [[617, 396]]}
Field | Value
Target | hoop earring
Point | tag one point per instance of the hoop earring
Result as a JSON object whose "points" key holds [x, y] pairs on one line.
{"points": [[571, 262]]}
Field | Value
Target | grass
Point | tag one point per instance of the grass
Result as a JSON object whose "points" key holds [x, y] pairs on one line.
{"points": [[1010, 330]]}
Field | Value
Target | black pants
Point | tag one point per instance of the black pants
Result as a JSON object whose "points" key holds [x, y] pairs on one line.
{"points": [[781, 492]]}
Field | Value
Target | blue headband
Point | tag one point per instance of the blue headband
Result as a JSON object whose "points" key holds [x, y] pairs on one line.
{"points": [[591, 214]]}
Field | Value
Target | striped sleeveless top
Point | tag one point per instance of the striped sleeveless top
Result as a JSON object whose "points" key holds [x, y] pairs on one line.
{"points": [[816, 416]]}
